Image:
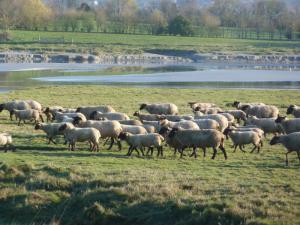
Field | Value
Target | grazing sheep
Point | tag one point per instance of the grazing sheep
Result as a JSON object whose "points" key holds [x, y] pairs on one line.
{"points": [[51, 130], [237, 114], [143, 141], [149, 117], [110, 116], [160, 108], [27, 114], [268, 125], [222, 120], [199, 139], [133, 129], [176, 118], [74, 134], [241, 138], [60, 117], [201, 105], [108, 129], [294, 110], [240, 105], [51, 111], [6, 142], [16, 104], [261, 111], [187, 124], [205, 124], [87, 111], [290, 141], [288, 126], [130, 122]]}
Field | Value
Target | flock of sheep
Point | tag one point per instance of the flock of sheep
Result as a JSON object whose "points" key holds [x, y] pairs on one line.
{"points": [[207, 127]]}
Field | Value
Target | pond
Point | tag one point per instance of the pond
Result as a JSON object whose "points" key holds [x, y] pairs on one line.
{"points": [[193, 75]]}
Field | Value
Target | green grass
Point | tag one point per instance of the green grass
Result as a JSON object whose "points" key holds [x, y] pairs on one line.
{"points": [[98, 43], [45, 184]]}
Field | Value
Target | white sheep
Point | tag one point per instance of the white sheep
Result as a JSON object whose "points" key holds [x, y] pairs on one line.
{"points": [[74, 134], [51, 130], [222, 120], [60, 116], [148, 117], [88, 110], [187, 124], [155, 124], [207, 124], [261, 111], [133, 129], [176, 118], [288, 126], [268, 125], [27, 114], [110, 116], [237, 114], [15, 104], [240, 105], [160, 108], [6, 142], [201, 105], [131, 122]]}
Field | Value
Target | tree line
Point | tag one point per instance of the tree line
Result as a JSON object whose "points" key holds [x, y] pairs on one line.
{"points": [[271, 19]]}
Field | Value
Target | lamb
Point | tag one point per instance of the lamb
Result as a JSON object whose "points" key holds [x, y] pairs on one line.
{"points": [[160, 108], [133, 129], [27, 114], [222, 120], [261, 111], [149, 117], [6, 142], [176, 118], [130, 122], [201, 105], [187, 125], [110, 116], [74, 134], [51, 130], [108, 129], [294, 110], [237, 114], [16, 104], [87, 111], [241, 138], [207, 124], [60, 117], [143, 141], [199, 138], [240, 105], [268, 125], [288, 126], [290, 141]]}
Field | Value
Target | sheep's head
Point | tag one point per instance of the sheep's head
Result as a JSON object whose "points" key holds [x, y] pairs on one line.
{"points": [[47, 110], [275, 140], [77, 120], [280, 119], [290, 109], [235, 104], [1, 107], [12, 112], [197, 109], [136, 113], [173, 132], [123, 135], [78, 109], [63, 127], [163, 130], [143, 106], [38, 126], [93, 115]]}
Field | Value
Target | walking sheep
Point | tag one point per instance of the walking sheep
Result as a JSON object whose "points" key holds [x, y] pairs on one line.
{"points": [[160, 108], [88, 110], [27, 114], [288, 126], [51, 130], [261, 111]]}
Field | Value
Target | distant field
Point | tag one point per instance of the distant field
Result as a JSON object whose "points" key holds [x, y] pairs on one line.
{"points": [[98, 43], [45, 184]]}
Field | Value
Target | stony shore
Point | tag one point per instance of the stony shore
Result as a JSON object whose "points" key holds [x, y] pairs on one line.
{"points": [[28, 57]]}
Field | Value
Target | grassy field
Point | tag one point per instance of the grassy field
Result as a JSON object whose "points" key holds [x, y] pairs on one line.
{"points": [[45, 184], [98, 43]]}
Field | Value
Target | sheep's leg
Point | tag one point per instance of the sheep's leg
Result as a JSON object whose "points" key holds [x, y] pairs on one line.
{"points": [[286, 158], [41, 118], [137, 151], [11, 115], [51, 139], [195, 151], [161, 151], [142, 150], [261, 143], [235, 147], [298, 153], [253, 149], [129, 151], [111, 143], [175, 151], [241, 148], [19, 122], [24, 122], [223, 150], [204, 152], [181, 153], [119, 145], [105, 142], [214, 154], [150, 149], [5, 148], [91, 147]]}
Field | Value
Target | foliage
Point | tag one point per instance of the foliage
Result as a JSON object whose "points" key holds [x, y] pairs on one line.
{"points": [[180, 26]]}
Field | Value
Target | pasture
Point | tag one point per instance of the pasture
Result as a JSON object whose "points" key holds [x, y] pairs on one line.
{"points": [[46, 184]]}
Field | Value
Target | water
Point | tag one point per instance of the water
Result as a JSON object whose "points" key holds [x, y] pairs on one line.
{"points": [[200, 75]]}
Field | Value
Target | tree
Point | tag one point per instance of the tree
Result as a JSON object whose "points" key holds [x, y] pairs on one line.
{"points": [[100, 16], [88, 21], [9, 13], [158, 22], [71, 20], [180, 26]]}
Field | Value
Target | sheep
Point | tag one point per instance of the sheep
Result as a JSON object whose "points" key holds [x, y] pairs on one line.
{"points": [[207, 124], [176, 118], [288, 126], [160, 108], [74, 134], [155, 124], [252, 128], [16, 104], [290, 141], [229, 117], [237, 114], [187, 125], [130, 122], [6, 142], [199, 138], [149, 117], [87, 111], [213, 110], [240, 105], [59, 116], [261, 111], [222, 120], [242, 137], [27, 114], [35, 105], [110, 116], [201, 105], [51, 130], [268, 125], [141, 141], [108, 129], [133, 129], [149, 128], [51, 111], [294, 110]]}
